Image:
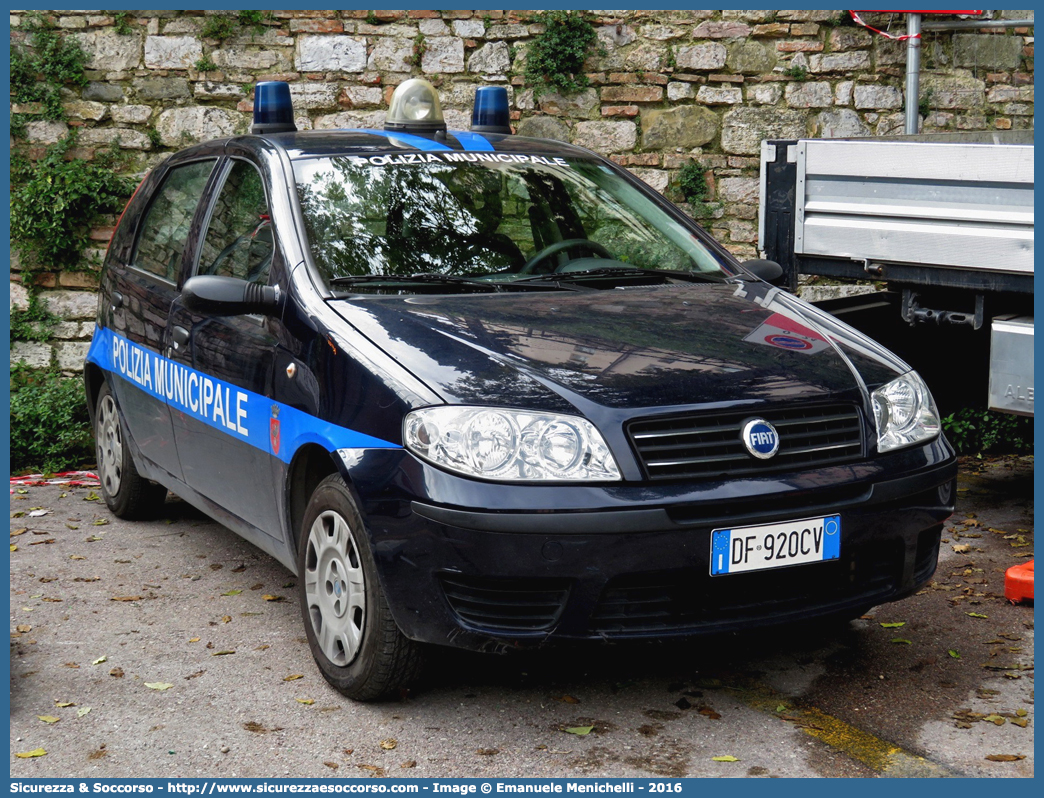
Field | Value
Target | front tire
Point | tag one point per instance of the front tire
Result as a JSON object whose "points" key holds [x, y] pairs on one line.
{"points": [[127, 494], [350, 630]]}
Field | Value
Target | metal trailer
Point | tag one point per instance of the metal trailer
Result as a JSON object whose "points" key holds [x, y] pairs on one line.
{"points": [[948, 227]]}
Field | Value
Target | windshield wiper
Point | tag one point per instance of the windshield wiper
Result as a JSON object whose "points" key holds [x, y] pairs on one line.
{"points": [[615, 272], [421, 277]]}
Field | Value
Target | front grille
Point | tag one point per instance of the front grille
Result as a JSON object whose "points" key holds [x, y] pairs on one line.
{"points": [[708, 444], [689, 598], [506, 605]]}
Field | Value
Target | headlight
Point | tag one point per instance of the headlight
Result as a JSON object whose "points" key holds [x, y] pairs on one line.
{"points": [[510, 445], [905, 413]]}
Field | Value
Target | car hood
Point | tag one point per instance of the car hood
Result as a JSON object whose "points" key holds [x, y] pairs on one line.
{"points": [[633, 348]]}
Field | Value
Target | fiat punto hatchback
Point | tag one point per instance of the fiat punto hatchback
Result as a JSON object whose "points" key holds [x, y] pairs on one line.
{"points": [[488, 391]]}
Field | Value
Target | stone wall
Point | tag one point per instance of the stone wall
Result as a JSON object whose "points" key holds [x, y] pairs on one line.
{"points": [[666, 88]]}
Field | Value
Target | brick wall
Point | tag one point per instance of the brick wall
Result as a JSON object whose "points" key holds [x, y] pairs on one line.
{"points": [[667, 88]]}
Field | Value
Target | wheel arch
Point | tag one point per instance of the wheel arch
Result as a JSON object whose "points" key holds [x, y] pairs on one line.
{"points": [[93, 380], [310, 465]]}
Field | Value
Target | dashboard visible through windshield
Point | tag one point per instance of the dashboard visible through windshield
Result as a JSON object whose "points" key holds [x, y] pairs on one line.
{"points": [[489, 217]]}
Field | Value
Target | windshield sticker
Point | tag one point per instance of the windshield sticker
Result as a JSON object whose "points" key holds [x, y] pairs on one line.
{"points": [[413, 158]]}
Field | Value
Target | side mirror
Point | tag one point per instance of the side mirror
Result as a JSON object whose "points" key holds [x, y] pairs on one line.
{"points": [[767, 270], [229, 296]]}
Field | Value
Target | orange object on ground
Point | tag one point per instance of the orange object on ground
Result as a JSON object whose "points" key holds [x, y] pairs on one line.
{"points": [[1018, 582]]}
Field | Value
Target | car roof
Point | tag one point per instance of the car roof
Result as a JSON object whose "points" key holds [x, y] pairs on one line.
{"points": [[326, 143]]}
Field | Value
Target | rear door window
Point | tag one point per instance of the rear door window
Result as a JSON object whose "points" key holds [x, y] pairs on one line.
{"points": [[165, 228]]}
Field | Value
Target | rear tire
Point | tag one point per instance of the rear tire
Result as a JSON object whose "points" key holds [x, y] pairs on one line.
{"points": [[127, 494], [350, 630]]}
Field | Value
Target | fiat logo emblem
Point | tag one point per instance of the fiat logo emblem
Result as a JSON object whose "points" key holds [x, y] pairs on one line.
{"points": [[760, 438]]}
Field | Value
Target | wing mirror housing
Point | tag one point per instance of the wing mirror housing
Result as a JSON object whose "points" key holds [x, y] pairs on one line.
{"points": [[767, 270], [230, 296]]}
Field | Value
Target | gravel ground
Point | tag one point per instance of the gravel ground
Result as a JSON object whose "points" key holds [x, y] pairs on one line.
{"points": [[175, 649]]}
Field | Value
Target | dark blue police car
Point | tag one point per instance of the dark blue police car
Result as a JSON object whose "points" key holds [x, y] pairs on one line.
{"points": [[487, 391]]}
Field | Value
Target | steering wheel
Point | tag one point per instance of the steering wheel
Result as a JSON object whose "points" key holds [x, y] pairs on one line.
{"points": [[562, 246]]}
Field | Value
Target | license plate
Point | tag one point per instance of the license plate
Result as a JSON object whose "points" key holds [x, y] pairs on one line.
{"points": [[758, 548]]}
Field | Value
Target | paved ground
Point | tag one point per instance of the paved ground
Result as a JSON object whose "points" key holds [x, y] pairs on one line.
{"points": [[101, 609]]}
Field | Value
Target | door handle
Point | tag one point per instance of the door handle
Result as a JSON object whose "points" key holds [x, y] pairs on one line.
{"points": [[117, 300], [180, 336]]}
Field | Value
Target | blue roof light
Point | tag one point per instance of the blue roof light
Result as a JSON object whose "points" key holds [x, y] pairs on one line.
{"points": [[273, 108], [490, 114]]}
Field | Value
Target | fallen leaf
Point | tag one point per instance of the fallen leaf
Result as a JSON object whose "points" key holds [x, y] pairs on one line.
{"points": [[579, 731], [953, 654], [48, 718], [77, 557], [71, 526], [991, 757], [19, 514], [158, 685], [231, 592], [293, 677], [709, 713], [71, 665], [82, 711], [1021, 713], [126, 598], [390, 744], [41, 542], [1022, 723], [726, 758], [117, 673], [781, 708], [193, 639], [24, 627], [30, 754], [962, 548], [197, 674], [488, 751], [226, 619], [902, 641], [100, 660], [92, 497], [409, 763], [15, 533], [223, 653], [100, 522], [331, 765], [567, 699], [995, 719], [976, 615], [94, 539], [268, 597], [14, 547], [308, 701], [63, 704], [377, 771], [893, 625]]}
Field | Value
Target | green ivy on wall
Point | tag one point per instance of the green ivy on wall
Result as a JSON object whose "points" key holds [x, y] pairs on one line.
{"points": [[55, 203], [555, 58]]}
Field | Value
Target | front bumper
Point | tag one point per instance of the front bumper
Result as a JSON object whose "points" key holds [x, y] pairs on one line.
{"points": [[632, 562]]}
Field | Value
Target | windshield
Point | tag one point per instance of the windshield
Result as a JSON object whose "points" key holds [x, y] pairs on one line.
{"points": [[492, 217]]}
